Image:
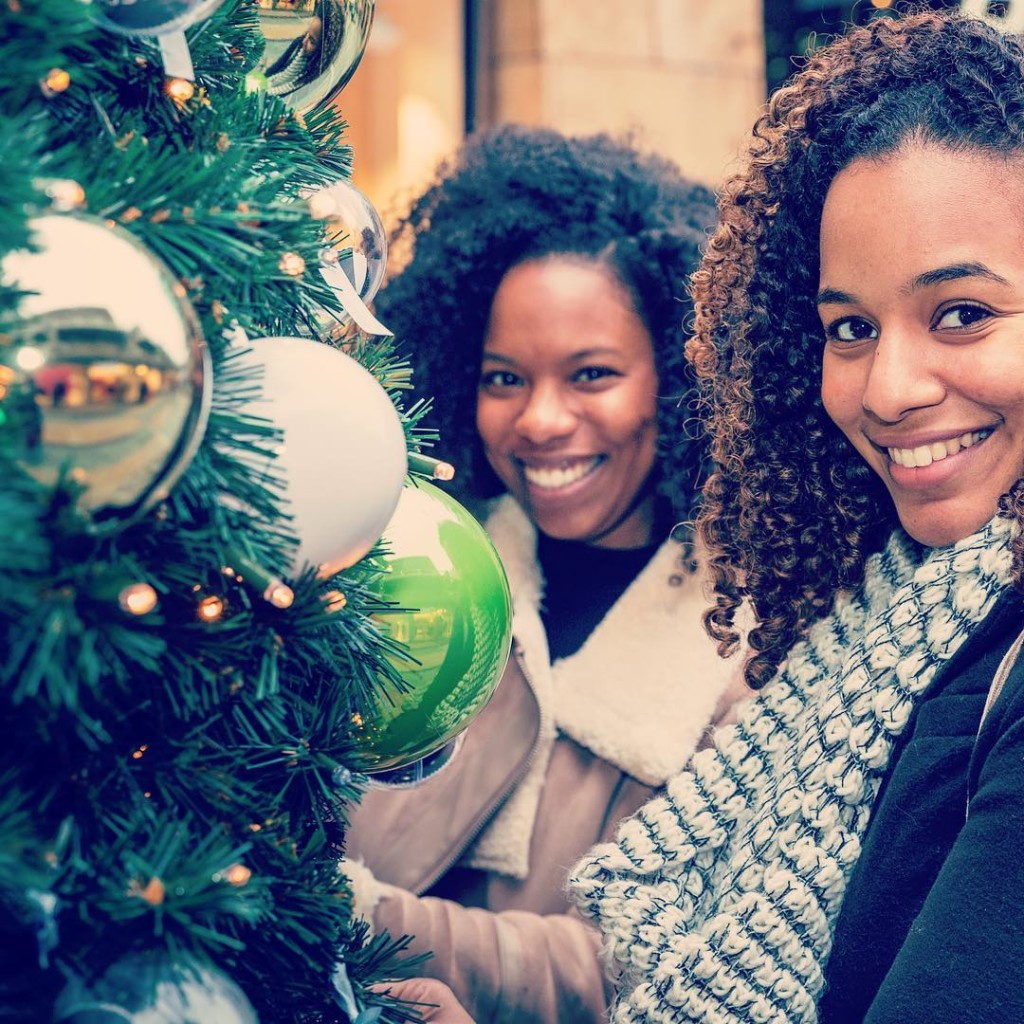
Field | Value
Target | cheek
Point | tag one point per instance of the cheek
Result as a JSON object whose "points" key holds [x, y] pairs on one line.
{"points": [[644, 435], [635, 421], [840, 392], [485, 421], [999, 386]]}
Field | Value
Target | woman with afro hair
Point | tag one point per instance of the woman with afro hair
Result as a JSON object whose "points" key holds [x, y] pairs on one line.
{"points": [[544, 299], [850, 850]]}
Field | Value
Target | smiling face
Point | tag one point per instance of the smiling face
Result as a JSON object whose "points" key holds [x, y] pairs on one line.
{"points": [[922, 301], [567, 401]]}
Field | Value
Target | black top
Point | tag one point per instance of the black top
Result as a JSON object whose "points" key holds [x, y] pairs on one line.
{"points": [[581, 583], [932, 925]]}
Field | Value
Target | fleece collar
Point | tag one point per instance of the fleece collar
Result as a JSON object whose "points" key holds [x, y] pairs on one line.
{"points": [[639, 693]]}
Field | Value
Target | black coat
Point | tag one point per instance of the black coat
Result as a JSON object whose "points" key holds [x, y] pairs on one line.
{"points": [[932, 925]]}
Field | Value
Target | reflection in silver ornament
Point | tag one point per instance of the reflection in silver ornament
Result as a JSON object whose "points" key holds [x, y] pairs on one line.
{"points": [[104, 375], [151, 988], [356, 237], [152, 17], [313, 47], [357, 247]]}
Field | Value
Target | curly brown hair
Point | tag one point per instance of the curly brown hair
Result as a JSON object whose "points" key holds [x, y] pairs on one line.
{"points": [[791, 511], [513, 194]]}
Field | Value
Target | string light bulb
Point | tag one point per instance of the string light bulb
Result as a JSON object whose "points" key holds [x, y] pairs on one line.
{"points": [[180, 90], [335, 600], [255, 81], [279, 594], [137, 599], [153, 892], [56, 81], [238, 874], [433, 468], [292, 264], [210, 609], [273, 589]]}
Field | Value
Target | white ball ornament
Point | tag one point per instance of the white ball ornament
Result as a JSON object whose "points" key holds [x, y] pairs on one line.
{"points": [[342, 457]]}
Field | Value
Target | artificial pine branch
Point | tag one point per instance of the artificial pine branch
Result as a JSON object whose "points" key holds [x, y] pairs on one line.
{"points": [[168, 782]]}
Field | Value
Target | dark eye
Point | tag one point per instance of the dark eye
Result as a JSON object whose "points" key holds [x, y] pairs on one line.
{"points": [[589, 374], [493, 380], [960, 316], [851, 328]]}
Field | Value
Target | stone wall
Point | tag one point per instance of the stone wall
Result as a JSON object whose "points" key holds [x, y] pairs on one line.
{"points": [[685, 76]]}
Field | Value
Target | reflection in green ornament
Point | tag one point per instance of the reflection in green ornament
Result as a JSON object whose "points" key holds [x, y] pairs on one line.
{"points": [[453, 617]]}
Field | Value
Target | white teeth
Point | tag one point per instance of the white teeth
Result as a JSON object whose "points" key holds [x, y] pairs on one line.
{"points": [[926, 454], [561, 476]]}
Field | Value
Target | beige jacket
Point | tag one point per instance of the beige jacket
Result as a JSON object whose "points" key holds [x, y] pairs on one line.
{"points": [[560, 755]]}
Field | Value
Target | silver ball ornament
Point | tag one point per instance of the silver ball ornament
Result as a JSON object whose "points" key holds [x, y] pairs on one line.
{"points": [[357, 245], [152, 17], [313, 47], [104, 374], [151, 988]]}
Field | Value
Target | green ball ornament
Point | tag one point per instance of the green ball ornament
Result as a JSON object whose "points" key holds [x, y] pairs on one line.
{"points": [[453, 617]]}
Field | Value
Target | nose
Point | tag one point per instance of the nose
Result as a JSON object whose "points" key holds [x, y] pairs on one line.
{"points": [[548, 415], [901, 377]]}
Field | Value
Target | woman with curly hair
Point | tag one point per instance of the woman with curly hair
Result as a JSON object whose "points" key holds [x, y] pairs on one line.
{"points": [[850, 850], [546, 297]]}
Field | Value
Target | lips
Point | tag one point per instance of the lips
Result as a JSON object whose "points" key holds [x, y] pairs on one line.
{"points": [[553, 477]]}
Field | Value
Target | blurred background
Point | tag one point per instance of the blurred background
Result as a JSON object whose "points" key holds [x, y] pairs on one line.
{"points": [[687, 77]]}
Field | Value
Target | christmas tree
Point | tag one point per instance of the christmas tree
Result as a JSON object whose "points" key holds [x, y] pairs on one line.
{"points": [[215, 613]]}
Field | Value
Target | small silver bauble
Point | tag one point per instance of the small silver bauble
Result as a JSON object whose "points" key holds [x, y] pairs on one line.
{"points": [[313, 47], [355, 234], [152, 17], [104, 375], [151, 988]]}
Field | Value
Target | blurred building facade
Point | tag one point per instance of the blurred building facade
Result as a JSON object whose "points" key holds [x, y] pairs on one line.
{"points": [[685, 77]]}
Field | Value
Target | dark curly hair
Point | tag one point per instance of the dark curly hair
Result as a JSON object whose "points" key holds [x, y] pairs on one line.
{"points": [[514, 194], [791, 511]]}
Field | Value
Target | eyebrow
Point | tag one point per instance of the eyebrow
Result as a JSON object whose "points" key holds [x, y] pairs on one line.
{"points": [[930, 278], [954, 272], [583, 354]]}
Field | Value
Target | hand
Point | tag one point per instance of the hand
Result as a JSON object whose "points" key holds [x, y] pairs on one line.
{"points": [[446, 1009]]}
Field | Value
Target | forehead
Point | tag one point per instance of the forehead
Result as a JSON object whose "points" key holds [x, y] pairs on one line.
{"points": [[562, 278], [563, 304], [923, 205]]}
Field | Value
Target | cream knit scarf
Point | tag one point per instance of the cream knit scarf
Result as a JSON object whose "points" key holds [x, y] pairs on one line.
{"points": [[717, 900]]}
